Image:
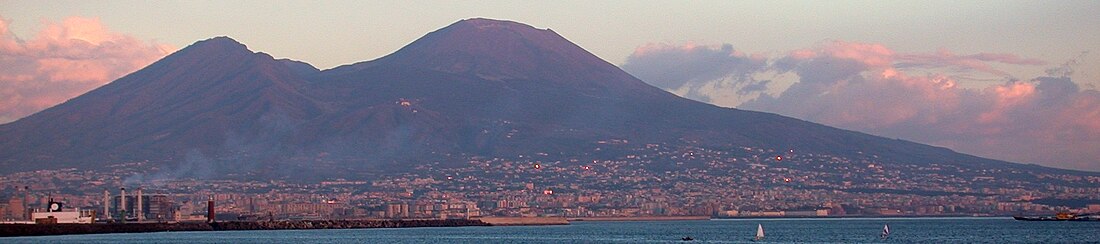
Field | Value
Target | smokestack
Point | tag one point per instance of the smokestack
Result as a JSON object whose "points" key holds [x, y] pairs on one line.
{"points": [[26, 198], [122, 204], [139, 211], [106, 204], [210, 210]]}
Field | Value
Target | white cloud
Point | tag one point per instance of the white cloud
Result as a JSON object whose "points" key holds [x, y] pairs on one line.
{"points": [[698, 72]]}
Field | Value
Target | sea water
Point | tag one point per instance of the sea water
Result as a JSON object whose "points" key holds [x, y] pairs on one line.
{"points": [[902, 230]]}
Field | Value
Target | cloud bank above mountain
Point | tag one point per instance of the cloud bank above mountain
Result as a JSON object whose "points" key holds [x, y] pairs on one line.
{"points": [[700, 72], [64, 60], [869, 87]]}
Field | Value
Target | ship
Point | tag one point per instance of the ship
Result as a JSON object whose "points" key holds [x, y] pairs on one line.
{"points": [[1062, 216], [55, 214]]}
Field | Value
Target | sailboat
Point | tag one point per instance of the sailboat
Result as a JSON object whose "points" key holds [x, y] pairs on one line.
{"points": [[759, 233], [885, 231]]}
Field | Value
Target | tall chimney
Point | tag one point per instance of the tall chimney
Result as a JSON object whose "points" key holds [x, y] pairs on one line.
{"points": [[210, 210], [122, 204], [26, 198], [106, 204], [139, 207]]}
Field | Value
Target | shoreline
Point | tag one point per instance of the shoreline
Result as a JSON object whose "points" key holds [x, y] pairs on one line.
{"points": [[687, 218], [641, 218], [15, 230], [18, 230], [858, 217], [519, 221]]}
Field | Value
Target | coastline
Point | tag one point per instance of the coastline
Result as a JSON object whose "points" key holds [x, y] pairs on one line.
{"points": [[16, 230], [641, 218], [919, 230], [514, 221], [860, 217], [13, 230]]}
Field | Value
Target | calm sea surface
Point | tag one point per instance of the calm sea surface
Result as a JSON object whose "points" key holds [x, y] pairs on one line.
{"points": [[903, 230]]}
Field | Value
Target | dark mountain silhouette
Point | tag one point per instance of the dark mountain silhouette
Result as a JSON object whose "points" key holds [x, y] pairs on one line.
{"points": [[478, 87], [211, 95]]}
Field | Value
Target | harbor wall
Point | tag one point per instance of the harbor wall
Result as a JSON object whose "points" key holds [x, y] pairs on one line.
{"points": [[8, 230]]}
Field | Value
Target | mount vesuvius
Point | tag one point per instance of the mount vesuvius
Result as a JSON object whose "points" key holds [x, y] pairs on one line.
{"points": [[478, 87]]}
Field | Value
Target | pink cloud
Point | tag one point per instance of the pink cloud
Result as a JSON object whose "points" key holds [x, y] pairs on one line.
{"points": [[63, 61], [870, 54], [974, 62], [860, 86]]}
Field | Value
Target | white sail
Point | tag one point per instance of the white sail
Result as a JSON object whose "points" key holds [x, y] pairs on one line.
{"points": [[885, 231], [759, 232]]}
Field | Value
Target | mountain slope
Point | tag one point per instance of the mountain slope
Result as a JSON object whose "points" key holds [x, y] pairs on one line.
{"points": [[209, 94], [500, 76], [478, 87]]}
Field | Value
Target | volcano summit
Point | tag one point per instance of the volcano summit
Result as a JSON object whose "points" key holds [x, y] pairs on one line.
{"points": [[476, 88]]}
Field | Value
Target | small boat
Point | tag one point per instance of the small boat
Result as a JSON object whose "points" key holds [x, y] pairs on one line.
{"points": [[885, 231], [687, 238], [759, 233]]}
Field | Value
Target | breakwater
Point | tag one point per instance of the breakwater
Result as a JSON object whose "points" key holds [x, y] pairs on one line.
{"points": [[7, 230], [342, 224], [70, 229], [503, 221]]}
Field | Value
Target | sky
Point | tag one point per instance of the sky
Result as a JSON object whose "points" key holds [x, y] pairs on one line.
{"points": [[1010, 80]]}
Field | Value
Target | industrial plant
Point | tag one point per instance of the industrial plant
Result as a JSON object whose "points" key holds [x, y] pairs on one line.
{"points": [[24, 206]]}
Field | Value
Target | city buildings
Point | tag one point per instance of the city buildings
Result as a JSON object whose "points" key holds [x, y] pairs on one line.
{"points": [[647, 180]]}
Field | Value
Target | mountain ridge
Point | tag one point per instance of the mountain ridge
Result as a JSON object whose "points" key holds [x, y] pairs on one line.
{"points": [[135, 113], [477, 87]]}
